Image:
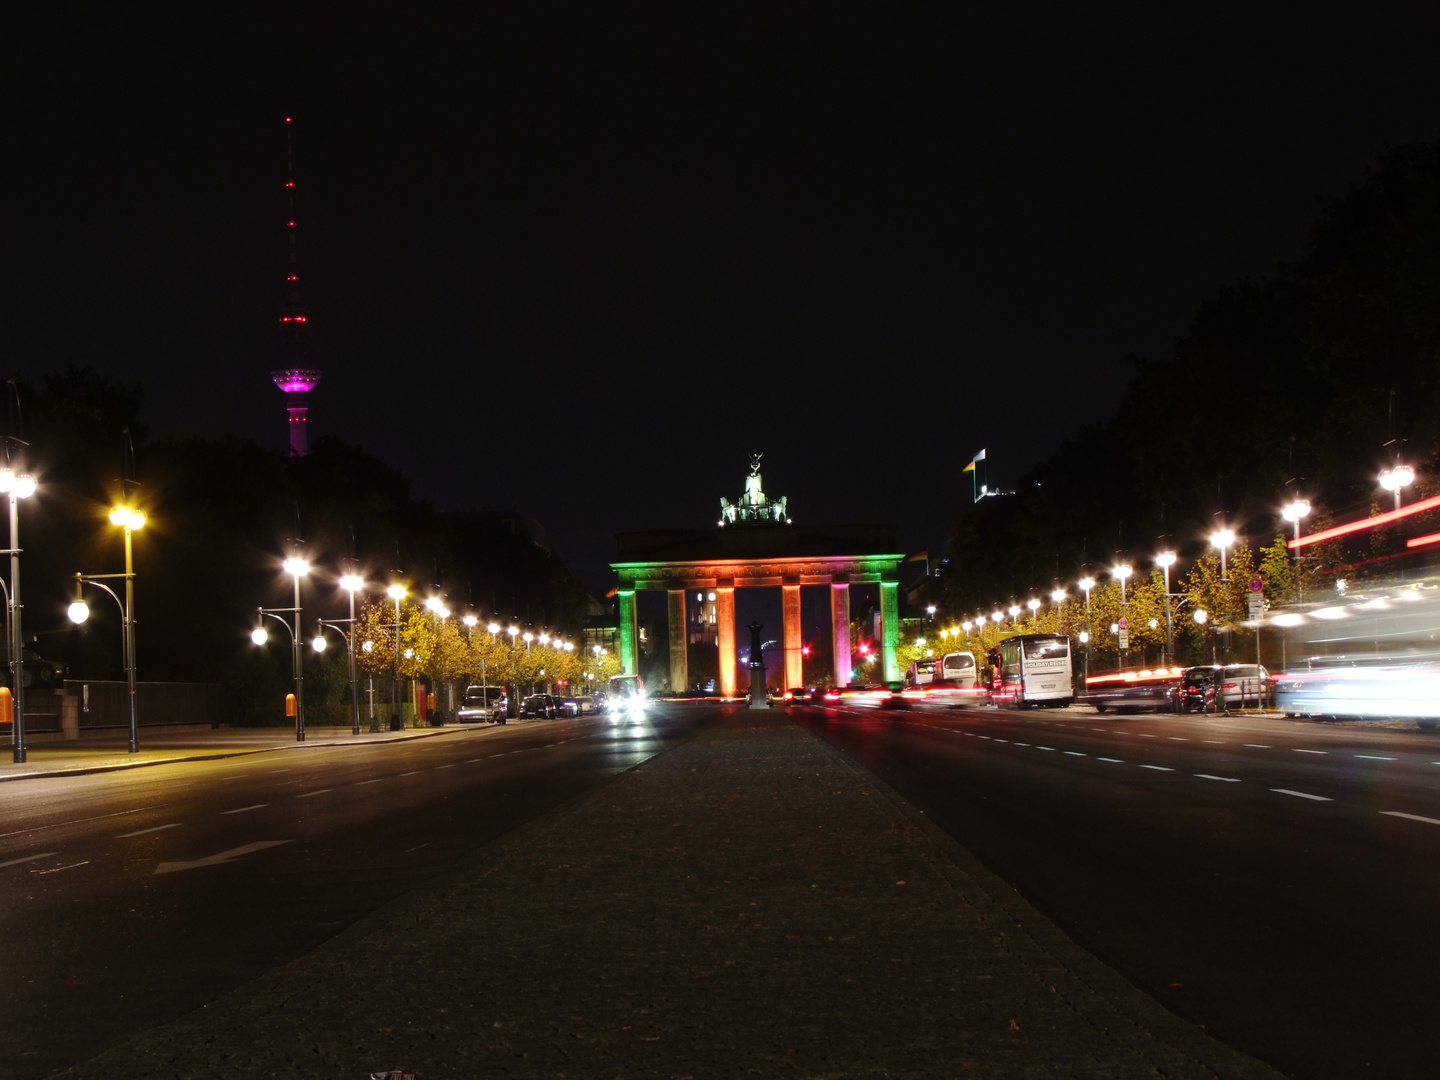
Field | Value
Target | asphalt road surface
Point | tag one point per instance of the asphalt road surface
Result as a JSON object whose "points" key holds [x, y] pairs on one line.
{"points": [[1274, 881], [130, 898]]}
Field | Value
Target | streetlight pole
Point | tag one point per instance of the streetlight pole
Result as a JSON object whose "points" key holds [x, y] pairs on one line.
{"points": [[396, 592], [1087, 583], [352, 583], [1122, 572], [1165, 560], [19, 486]]}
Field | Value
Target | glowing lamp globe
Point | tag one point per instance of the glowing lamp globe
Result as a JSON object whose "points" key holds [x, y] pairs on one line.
{"points": [[259, 635], [78, 612]]}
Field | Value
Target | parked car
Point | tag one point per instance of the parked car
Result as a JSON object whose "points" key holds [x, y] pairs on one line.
{"points": [[483, 704], [566, 706], [1216, 688], [585, 705], [38, 671], [538, 706], [602, 701]]}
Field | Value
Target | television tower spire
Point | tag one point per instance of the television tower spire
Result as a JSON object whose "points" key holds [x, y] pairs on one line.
{"points": [[296, 373]]}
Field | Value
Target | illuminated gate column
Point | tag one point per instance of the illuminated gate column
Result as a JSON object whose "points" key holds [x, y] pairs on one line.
{"points": [[790, 620], [679, 641], [840, 626], [628, 632], [725, 624], [890, 624]]}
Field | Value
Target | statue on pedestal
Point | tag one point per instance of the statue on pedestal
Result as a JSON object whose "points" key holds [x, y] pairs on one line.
{"points": [[759, 699], [753, 508]]}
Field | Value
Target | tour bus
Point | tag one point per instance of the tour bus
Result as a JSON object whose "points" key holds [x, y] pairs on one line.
{"points": [[627, 694], [958, 668], [1034, 669], [922, 673]]}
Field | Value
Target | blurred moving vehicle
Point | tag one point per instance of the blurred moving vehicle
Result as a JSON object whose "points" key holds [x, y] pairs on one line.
{"points": [[585, 705], [921, 673], [1123, 691], [627, 694], [959, 669], [1363, 687], [602, 701], [489, 704]]}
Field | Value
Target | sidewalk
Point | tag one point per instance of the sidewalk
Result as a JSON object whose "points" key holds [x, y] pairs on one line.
{"points": [[158, 747], [745, 903]]}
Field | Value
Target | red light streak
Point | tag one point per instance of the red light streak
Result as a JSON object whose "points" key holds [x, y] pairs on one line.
{"points": [[1367, 523], [1421, 541]]}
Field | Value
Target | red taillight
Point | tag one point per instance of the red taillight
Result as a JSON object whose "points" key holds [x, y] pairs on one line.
{"points": [[1228, 686]]}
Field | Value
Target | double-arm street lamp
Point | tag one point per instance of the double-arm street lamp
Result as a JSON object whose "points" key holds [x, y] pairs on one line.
{"points": [[297, 568], [130, 519], [351, 583], [1086, 583], [1121, 572], [396, 592]]}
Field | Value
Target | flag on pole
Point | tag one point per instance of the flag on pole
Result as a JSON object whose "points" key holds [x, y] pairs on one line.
{"points": [[919, 556], [969, 468]]}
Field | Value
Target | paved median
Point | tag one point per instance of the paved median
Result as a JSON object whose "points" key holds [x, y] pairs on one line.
{"points": [[747, 902]]}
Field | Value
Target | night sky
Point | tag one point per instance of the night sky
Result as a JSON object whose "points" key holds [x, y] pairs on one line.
{"points": [[585, 262]]}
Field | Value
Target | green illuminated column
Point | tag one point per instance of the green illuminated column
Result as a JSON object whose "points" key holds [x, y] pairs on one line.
{"points": [[890, 622], [628, 632]]}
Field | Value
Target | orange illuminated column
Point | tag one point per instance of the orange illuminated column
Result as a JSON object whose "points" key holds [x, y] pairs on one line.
{"points": [[790, 617], [679, 641], [725, 619], [840, 625]]}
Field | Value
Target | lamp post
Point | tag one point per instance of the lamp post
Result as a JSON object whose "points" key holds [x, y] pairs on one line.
{"points": [[1294, 511], [1086, 583], [18, 486], [1396, 478], [352, 583], [1165, 560], [396, 592], [296, 568], [1222, 538], [1121, 572], [1034, 605]]}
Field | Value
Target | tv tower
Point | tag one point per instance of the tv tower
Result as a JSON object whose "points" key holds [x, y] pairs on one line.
{"points": [[296, 373]]}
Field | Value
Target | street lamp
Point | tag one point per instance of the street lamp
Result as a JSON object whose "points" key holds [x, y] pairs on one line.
{"points": [[1086, 583], [1222, 539], [1165, 560], [1121, 572], [297, 568], [1034, 606], [18, 486], [1396, 478], [396, 592], [1294, 511], [353, 583]]}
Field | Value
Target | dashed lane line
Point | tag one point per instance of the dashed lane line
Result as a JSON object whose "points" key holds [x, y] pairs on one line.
{"points": [[1300, 794], [1226, 779], [1176, 738], [1111, 760], [413, 772], [1214, 742], [153, 828], [1298, 750], [1259, 746], [1411, 817], [28, 858], [309, 794], [1050, 748], [1076, 753], [1375, 757], [1020, 744], [1158, 768], [377, 780], [1144, 736], [450, 766], [245, 809]]}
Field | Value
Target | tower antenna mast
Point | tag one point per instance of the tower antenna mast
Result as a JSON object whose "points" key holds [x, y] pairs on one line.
{"points": [[296, 373]]}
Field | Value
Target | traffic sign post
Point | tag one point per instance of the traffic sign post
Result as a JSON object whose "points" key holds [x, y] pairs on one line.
{"points": [[1124, 626]]}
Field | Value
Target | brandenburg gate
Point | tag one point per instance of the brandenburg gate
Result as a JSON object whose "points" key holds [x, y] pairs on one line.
{"points": [[755, 545]]}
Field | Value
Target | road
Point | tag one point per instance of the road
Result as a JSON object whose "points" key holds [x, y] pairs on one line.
{"points": [[1274, 881], [131, 898]]}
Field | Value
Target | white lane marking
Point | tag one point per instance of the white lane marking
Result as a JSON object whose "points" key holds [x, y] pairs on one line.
{"points": [[1158, 768], [1099, 729], [1297, 750], [1176, 738], [222, 857], [1111, 760], [472, 760], [1118, 731], [1215, 742], [1375, 757], [377, 780], [77, 821], [1300, 794], [1051, 748], [412, 772], [1002, 740], [1259, 745], [1144, 736], [1076, 753], [28, 858], [142, 832], [450, 766], [56, 870], [1227, 779], [1021, 744], [322, 791], [986, 737], [1411, 817], [244, 809]]}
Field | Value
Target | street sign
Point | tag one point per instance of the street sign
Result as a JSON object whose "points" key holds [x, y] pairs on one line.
{"points": [[1124, 624], [1256, 585], [1124, 640], [1257, 605]]}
